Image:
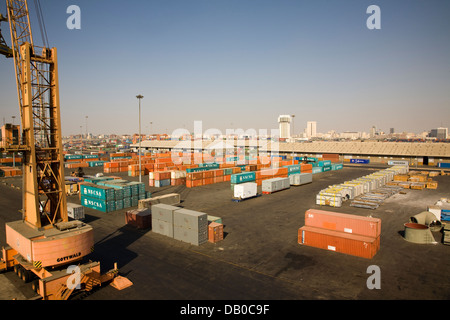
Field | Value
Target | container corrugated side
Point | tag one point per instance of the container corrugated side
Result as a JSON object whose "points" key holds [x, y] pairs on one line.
{"points": [[348, 223], [351, 244]]}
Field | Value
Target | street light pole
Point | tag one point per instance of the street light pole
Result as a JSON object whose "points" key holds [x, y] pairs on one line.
{"points": [[293, 139], [140, 172]]}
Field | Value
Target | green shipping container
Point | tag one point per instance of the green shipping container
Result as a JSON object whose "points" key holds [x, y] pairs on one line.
{"points": [[98, 204], [126, 202], [119, 204], [98, 192], [317, 170], [292, 169], [243, 177], [326, 168]]}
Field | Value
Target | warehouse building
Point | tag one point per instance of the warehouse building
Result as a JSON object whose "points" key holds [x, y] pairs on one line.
{"points": [[371, 151]]}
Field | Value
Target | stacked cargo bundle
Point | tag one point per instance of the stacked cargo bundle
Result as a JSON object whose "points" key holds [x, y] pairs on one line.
{"points": [[415, 180], [339, 232], [275, 184], [335, 195], [169, 199]]}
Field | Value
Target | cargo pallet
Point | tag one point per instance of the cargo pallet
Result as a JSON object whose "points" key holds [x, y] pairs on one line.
{"points": [[60, 283], [240, 199]]}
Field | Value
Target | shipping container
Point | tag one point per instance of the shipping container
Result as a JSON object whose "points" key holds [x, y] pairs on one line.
{"points": [[75, 211], [191, 236], [245, 190], [190, 219], [243, 177], [162, 227], [365, 161], [215, 232], [275, 184], [98, 204], [346, 243], [317, 170], [139, 218], [299, 179], [348, 223], [96, 191]]}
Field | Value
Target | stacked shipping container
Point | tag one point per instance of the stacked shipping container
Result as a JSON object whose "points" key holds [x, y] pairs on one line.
{"points": [[339, 232]]}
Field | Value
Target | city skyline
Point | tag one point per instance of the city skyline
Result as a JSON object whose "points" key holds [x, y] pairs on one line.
{"points": [[236, 64]]}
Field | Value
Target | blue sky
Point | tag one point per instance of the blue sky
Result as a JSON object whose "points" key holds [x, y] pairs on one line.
{"points": [[241, 63]]}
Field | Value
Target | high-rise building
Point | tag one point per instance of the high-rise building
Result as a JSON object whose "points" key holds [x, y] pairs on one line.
{"points": [[311, 129], [439, 133], [285, 126]]}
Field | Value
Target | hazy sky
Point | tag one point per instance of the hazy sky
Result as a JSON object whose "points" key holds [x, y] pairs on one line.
{"points": [[241, 63]]}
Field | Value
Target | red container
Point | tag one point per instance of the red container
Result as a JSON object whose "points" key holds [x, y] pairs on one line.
{"points": [[348, 223], [139, 218], [351, 244]]}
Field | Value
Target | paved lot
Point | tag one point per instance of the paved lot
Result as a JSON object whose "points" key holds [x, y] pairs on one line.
{"points": [[260, 259]]}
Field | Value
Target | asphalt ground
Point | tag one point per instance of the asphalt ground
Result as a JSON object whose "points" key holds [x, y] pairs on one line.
{"points": [[260, 258]]}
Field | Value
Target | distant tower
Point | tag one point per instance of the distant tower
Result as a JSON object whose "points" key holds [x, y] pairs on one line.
{"points": [[311, 129], [285, 126]]}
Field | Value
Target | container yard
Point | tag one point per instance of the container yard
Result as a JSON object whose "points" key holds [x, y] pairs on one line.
{"points": [[199, 216], [277, 242]]}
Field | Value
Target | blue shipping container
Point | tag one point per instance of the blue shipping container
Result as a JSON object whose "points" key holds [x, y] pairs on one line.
{"points": [[366, 161], [444, 165]]}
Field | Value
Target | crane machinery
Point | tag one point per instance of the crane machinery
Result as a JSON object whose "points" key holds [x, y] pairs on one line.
{"points": [[44, 243]]}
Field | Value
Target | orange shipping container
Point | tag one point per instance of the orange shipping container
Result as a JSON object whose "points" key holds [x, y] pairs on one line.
{"points": [[218, 179], [215, 232], [351, 244], [161, 175], [208, 174], [348, 223]]}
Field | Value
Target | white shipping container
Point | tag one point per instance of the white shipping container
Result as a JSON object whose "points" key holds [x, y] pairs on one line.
{"points": [[75, 211], [245, 190], [177, 174], [300, 179], [275, 184]]}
